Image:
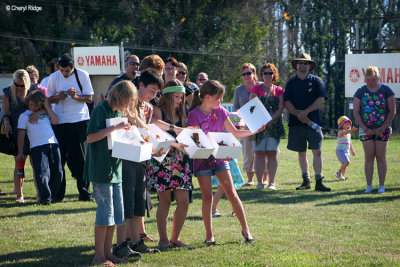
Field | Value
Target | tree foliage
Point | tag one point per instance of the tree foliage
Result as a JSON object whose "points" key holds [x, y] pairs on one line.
{"points": [[216, 37]]}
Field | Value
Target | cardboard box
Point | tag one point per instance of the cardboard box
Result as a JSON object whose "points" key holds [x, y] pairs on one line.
{"points": [[194, 151], [254, 114], [232, 149], [115, 135], [131, 150], [159, 138], [130, 146]]}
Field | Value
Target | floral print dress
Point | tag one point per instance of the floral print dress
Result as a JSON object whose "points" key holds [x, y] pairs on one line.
{"points": [[175, 172]]}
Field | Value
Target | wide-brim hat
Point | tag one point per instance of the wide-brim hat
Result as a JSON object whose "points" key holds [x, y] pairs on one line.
{"points": [[304, 57], [342, 120]]}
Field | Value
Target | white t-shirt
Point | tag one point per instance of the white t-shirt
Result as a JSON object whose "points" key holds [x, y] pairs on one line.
{"points": [[70, 110], [39, 134], [45, 82]]}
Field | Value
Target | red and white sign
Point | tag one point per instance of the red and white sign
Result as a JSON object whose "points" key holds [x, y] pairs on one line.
{"points": [[356, 65], [102, 60]]}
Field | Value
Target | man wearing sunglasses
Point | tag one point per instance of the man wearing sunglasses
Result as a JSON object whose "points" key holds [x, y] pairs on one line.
{"points": [[304, 96], [132, 64]]}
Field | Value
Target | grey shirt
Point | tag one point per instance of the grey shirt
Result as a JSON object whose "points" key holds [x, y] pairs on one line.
{"points": [[241, 97]]}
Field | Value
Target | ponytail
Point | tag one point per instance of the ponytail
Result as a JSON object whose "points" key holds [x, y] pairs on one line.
{"points": [[210, 87]]}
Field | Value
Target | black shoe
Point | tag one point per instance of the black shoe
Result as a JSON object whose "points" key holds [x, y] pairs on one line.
{"points": [[142, 248], [124, 251], [319, 186], [305, 185], [248, 240], [210, 243]]}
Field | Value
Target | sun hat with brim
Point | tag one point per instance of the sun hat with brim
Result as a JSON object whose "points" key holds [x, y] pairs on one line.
{"points": [[342, 120], [304, 57]]}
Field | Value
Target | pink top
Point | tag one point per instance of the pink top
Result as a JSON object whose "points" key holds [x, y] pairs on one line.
{"points": [[213, 122], [44, 89], [258, 90]]}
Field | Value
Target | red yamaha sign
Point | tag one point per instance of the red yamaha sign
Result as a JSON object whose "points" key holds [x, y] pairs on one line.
{"points": [[98, 60]]}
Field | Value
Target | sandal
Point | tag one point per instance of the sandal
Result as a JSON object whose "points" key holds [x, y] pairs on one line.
{"points": [[107, 263], [20, 200], [146, 238], [168, 246], [179, 244]]}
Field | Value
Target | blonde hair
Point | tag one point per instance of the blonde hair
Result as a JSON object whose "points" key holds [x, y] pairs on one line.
{"points": [[166, 103], [20, 75], [253, 69], [125, 90], [372, 71], [32, 69]]}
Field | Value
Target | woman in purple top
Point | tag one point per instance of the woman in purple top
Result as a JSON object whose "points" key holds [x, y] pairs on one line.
{"points": [[207, 114]]}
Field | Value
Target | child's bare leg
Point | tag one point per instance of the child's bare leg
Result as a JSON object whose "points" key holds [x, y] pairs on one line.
{"points": [[107, 246], [217, 196], [342, 169], [100, 233], [162, 217], [182, 205], [225, 179], [121, 233], [206, 198]]}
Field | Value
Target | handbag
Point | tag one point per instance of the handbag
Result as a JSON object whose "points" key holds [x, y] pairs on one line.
{"points": [[7, 145]]}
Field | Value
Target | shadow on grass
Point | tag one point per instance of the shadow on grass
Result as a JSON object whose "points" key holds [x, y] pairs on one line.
{"points": [[48, 212], [62, 256], [286, 197]]}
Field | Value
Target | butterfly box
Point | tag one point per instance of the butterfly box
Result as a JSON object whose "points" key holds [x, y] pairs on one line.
{"points": [[254, 114], [114, 135], [131, 146], [198, 144], [226, 145], [159, 138]]}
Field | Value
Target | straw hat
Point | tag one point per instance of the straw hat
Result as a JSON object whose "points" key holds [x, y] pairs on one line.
{"points": [[342, 120], [304, 57]]}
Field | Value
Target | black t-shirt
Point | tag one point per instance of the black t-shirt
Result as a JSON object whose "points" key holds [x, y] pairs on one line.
{"points": [[124, 77], [302, 93]]}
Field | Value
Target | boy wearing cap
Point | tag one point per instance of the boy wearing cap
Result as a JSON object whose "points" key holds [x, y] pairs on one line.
{"points": [[304, 95], [344, 145]]}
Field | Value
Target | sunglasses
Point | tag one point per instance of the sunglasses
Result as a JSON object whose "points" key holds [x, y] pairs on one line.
{"points": [[247, 73], [17, 85], [201, 79], [182, 73], [134, 63], [303, 63], [268, 73]]}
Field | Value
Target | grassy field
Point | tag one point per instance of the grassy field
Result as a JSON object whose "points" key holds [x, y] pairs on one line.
{"points": [[344, 227]]}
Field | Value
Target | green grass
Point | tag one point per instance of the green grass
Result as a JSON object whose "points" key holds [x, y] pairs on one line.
{"points": [[341, 228]]}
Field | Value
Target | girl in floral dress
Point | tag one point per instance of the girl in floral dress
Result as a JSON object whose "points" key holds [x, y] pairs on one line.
{"points": [[175, 172]]}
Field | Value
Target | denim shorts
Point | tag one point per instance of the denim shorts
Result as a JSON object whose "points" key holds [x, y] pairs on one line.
{"points": [[343, 156], [109, 204], [266, 144], [213, 171]]}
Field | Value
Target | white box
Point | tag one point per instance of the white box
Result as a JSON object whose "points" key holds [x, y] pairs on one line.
{"points": [[195, 152], [132, 150], [114, 135], [232, 149], [254, 114], [159, 138]]}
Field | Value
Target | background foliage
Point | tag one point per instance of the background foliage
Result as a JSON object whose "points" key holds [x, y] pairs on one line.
{"points": [[211, 36]]}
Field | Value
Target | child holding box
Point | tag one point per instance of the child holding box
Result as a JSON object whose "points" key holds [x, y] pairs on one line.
{"points": [[106, 172], [207, 114]]}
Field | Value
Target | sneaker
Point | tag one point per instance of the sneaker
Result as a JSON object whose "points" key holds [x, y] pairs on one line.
{"points": [[216, 214], [260, 186], [340, 176], [124, 251], [271, 186], [233, 214], [369, 189], [381, 189], [142, 248]]}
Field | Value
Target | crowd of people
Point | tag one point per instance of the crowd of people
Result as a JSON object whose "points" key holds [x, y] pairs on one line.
{"points": [[52, 123]]}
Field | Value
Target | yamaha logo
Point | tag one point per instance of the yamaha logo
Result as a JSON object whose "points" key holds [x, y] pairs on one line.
{"points": [[80, 61], [354, 75]]}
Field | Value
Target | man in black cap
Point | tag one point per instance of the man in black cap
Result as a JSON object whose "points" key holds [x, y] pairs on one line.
{"points": [[304, 95]]}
